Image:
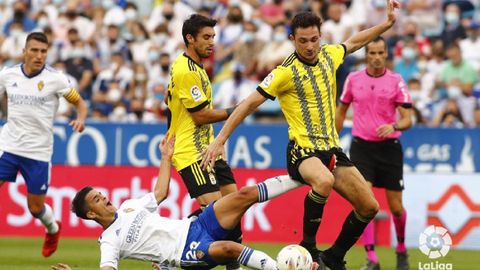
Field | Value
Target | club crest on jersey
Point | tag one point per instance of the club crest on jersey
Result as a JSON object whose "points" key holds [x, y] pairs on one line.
{"points": [[40, 85], [128, 210], [200, 254], [195, 92]]}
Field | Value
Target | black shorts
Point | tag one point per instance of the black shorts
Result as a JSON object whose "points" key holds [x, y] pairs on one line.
{"points": [[199, 182], [381, 163], [296, 154]]}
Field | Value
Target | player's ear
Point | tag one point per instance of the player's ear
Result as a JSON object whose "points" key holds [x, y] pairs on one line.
{"points": [[291, 37], [91, 214], [190, 38]]}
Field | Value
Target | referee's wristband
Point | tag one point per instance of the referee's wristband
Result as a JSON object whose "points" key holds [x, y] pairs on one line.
{"points": [[230, 110], [395, 126]]}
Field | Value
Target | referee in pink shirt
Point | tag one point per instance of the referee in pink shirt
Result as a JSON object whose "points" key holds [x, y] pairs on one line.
{"points": [[378, 96]]}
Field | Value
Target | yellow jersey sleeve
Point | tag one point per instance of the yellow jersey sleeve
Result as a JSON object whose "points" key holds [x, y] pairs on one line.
{"points": [[190, 92], [337, 53], [274, 83]]}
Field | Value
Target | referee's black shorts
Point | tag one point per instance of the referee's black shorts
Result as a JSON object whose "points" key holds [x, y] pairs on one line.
{"points": [[296, 154], [199, 182], [380, 163]]}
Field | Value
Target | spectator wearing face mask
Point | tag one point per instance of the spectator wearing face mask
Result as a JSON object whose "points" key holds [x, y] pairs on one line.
{"points": [[420, 102], [138, 88], [80, 67], [173, 13], [20, 15], [117, 73], [412, 32], [275, 51], [450, 116], [458, 78], [114, 14], [453, 30], [233, 90], [12, 47], [470, 46], [229, 34], [159, 68], [248, 49], [407, 64], [106, 45], [141, 43]]}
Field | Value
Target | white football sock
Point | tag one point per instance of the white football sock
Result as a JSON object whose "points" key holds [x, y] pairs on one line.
{"points": [[276, 186], [47, 219], [256, 259]]}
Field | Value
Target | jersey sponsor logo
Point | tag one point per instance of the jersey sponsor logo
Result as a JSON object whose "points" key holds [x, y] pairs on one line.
{"points": [[268, 80], [134, 230], [195, 92], [40, 85]]}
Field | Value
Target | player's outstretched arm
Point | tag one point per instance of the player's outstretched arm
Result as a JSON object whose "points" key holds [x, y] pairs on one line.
{"points": [[360, 39], [163, 181], [244, 109]]}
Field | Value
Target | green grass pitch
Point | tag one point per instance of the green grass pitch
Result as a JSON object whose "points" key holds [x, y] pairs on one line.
{"points": [[25, 254]]}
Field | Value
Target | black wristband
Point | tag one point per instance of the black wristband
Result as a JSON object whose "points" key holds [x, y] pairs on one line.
{"points": [[230, 110]]}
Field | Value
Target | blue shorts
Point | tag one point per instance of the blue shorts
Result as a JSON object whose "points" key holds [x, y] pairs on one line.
{"points": [[35, 172], [202, 233]]}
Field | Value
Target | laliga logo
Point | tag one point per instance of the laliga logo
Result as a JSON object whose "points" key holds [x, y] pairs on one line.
{"points": [[435, 242]]}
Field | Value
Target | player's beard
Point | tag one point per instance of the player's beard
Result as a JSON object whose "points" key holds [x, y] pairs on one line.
{"points": [[203, 54]]}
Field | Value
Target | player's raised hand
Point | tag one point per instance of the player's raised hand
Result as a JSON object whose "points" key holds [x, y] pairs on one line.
{"points": [[167, 146], [209, 156], [61, 266], [391, 6], [77, 125]]}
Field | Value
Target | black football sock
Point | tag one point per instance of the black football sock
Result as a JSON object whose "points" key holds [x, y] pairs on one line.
{"points": [[312, 216]]}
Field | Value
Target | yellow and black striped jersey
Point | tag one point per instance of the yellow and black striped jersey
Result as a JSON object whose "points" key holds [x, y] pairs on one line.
{"points": [[307, 96], [190, 90]]}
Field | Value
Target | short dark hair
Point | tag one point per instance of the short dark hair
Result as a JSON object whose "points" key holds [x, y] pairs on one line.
{"points": [[79, 206], [377, 39], [194, 24], [38, 36], [306, 19]]}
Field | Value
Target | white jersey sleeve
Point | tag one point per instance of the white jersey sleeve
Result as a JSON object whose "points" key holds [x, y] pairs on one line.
{"points": [[109, 254], [148, 202]]}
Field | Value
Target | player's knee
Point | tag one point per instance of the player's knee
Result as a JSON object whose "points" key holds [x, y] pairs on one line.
{"points": [[35, 209], [323, 184], [369, 209], [247, 194], [230, 249], [397, 210]]}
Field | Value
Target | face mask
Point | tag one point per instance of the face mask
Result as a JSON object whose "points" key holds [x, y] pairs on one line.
{"points": [[130, 14], [422, 65], [160, 38], [258, 22], [153, 56], [42, 22], [71, 15], [77, 53], [57, 2], [165, 68], [159, 96], [237, 75], [379, 3], [279, 37], [248, 36], [408, 53], [113, 66], [168, 16], [415, 94], [235, 18], [454, 92], [114, 95], [472, 35], [108, 4], [141, 77], [18, 15], [15, 33], [452, 17]]}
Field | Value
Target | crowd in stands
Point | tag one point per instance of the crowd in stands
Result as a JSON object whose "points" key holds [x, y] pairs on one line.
{"points": [[117, 53]]}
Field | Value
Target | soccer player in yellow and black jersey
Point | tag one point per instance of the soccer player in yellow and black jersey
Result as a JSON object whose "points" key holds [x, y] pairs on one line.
{"points": [[306, 88], [189, 100]]}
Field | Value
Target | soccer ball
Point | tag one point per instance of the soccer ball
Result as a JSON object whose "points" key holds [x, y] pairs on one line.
{"points": [[294, 257]]}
